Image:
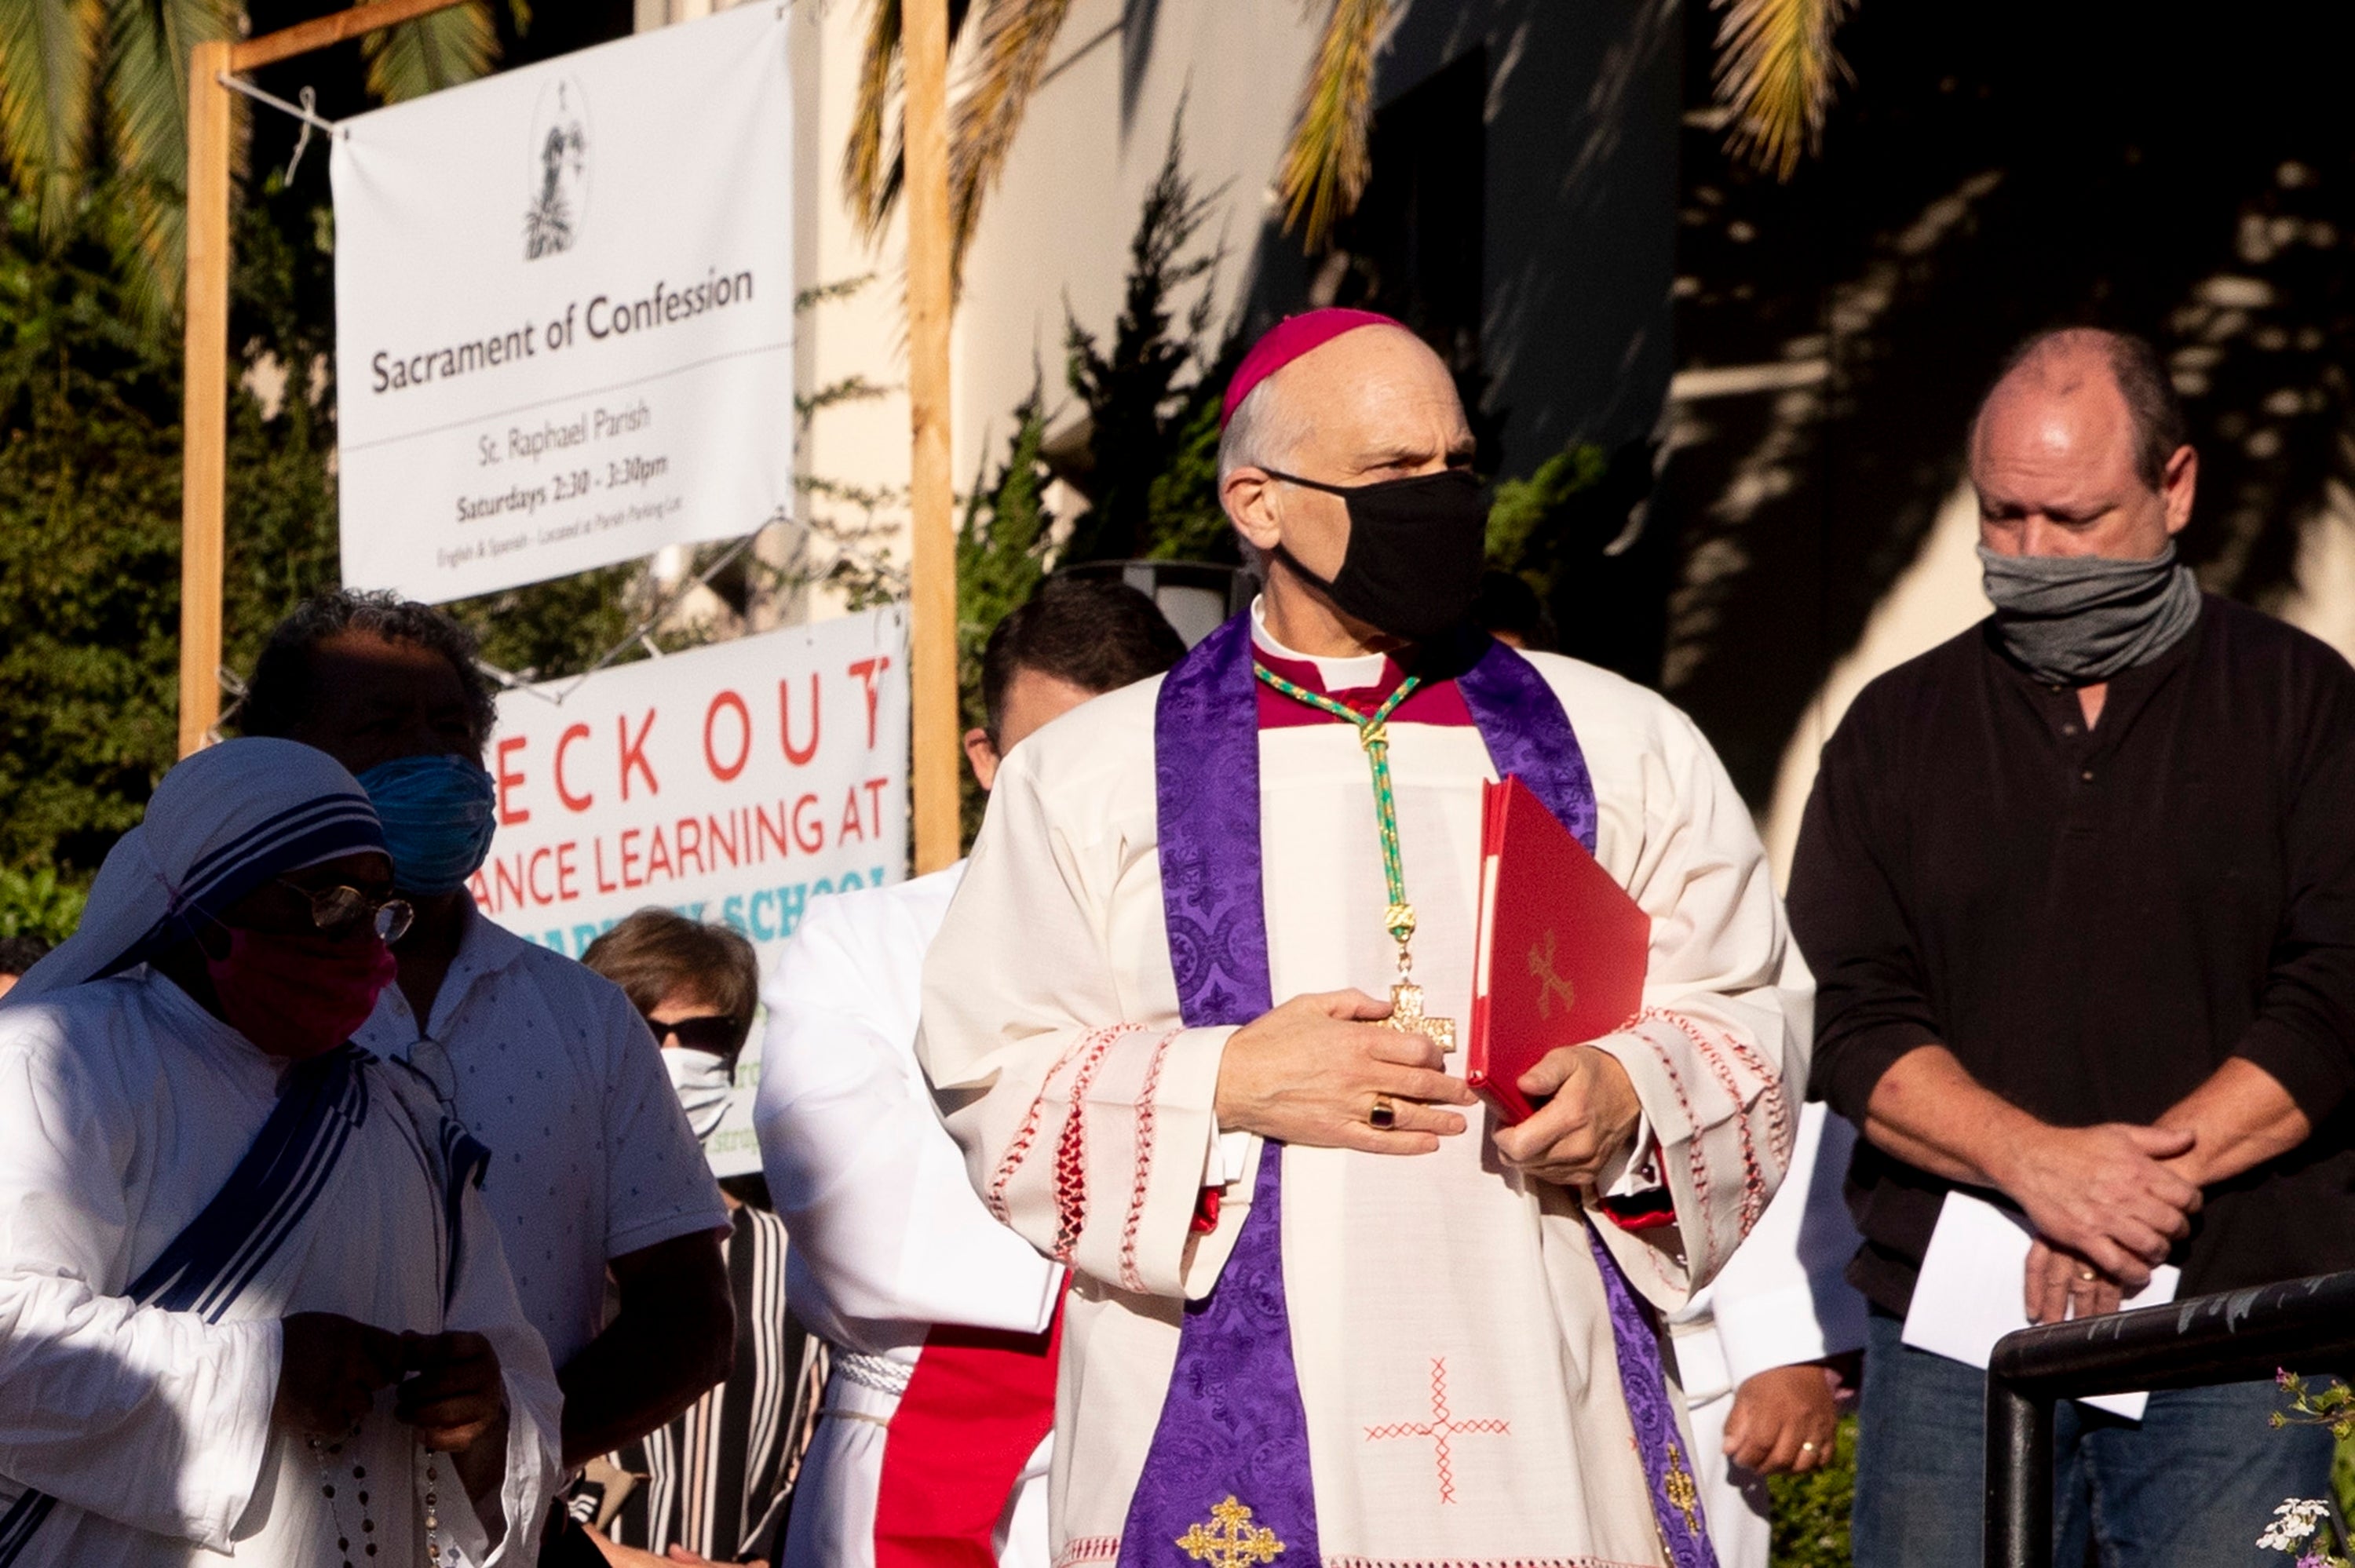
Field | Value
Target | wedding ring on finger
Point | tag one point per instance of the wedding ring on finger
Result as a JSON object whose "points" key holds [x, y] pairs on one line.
{"points": [[2087, 1276], [1384, 1116]]}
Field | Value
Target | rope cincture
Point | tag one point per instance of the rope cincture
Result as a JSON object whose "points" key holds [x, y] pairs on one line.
{"points": [[1373, 735]]}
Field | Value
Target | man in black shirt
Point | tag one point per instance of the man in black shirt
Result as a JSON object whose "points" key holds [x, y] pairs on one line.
{"points": [[2079, 890]]}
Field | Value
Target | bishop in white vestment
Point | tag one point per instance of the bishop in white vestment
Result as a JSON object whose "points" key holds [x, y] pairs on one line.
{"points": [[171, 1193], [1397, 1333]]}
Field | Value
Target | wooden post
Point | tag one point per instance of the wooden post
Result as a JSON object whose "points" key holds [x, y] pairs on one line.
{"points": [[924, 48], [204, 420], [335, 27]]}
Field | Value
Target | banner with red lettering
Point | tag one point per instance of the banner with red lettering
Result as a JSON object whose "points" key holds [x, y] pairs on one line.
{"points": [[732, 783]]}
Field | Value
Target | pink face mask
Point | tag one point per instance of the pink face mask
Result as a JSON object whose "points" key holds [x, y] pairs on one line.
{"points": [[300, 996]]}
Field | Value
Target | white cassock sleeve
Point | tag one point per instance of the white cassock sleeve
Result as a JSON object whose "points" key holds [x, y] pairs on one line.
{"points": [[885, 1223], [155, 1419], [484, 1302], [1722, 1043], [1086, 1134], [1784, 1298]]}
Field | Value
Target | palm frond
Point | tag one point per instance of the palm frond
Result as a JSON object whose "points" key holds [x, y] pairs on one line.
{"points": [[864, 153], [1777, 71], [145, 231], [433, 52], [1325, 167], [1016, 38], [49, 63], [146, 94], [873, 166]]}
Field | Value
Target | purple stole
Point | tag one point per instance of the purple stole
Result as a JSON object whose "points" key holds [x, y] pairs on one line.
{"points": [[1231, 1425]]}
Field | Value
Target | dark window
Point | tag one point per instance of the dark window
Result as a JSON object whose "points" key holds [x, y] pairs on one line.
{"points": [[1413, 247]]}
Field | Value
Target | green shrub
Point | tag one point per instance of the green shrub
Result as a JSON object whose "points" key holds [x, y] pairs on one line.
{"points": [[37, 904]]}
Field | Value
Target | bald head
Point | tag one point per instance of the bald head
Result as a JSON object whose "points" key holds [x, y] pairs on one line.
{"points": [[2078, 449], [1371, 405]]}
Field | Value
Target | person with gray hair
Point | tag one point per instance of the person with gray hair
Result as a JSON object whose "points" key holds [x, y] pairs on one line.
{"points": [[2078, 889], [1192, 1020]]}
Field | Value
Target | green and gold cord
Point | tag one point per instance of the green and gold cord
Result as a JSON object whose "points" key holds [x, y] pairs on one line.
{"points": [[1374, 736]]}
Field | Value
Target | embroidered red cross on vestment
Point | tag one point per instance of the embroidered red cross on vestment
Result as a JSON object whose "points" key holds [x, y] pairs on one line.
{"points": [[1440, 1429]]}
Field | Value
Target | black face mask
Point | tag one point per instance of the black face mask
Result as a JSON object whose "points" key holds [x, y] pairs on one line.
{"points": [[1417, 548]]}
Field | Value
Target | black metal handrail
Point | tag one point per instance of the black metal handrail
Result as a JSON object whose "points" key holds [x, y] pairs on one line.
{"points": [[2237, 1336]]}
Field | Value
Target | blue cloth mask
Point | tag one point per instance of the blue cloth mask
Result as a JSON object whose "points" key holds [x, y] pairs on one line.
{"points": [[438, 817]]}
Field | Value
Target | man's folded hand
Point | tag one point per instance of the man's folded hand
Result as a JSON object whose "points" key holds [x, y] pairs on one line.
{"points": [[2104, 1193], [2060, 1284]]}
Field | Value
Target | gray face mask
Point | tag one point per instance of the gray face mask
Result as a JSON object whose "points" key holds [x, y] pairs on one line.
{"points": [[2079, 620]]}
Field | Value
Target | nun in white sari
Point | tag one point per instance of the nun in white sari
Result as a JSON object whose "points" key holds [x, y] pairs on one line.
{"points": [[250, 1298]]}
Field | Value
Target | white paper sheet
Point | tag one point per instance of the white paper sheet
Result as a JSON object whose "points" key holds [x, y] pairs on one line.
{"points": [[1972, 1290]]}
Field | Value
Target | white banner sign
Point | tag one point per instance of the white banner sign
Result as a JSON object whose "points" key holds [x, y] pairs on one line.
{"points": [[733, 783], [564, 311]]}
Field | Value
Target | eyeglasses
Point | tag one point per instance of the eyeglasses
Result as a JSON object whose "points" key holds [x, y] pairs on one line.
{"points": [[721, 1036], [339, 911]]}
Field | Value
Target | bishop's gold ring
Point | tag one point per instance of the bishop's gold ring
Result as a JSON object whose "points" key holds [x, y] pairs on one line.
{"points": [[2088, 1276], [1807, 1445], [1384, 1116]]}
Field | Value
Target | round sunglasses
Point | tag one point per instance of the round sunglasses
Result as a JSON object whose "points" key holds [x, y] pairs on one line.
{"points": [[339, 911]]}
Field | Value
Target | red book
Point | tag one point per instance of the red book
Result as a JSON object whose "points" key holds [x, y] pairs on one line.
{"points": [[1561, 952]]}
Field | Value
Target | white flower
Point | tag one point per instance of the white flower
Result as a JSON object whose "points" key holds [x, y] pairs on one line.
{"points": [[2294, 1521]]}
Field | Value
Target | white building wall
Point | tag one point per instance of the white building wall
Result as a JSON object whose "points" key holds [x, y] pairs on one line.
{"points": [[1055, 230]]}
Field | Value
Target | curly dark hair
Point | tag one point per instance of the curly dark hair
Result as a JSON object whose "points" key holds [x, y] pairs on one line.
{"points": [[280, 693]]}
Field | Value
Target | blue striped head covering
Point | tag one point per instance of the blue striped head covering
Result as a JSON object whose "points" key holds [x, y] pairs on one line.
{"points": [[223, 822]]}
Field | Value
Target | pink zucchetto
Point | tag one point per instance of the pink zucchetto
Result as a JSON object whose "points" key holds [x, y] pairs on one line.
{"points": [[1286, 341]]}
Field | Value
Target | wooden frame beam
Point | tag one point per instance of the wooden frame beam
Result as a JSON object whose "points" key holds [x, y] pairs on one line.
{"points": [[204, 453], [204, 418], [247, 54], [932, 673]]}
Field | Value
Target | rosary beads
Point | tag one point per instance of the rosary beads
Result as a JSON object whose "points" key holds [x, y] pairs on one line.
{"points": [[432, 1517], [326, 1453]]}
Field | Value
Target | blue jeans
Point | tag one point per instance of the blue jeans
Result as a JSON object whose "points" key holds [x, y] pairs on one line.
{"points": [[2191, 1484]]}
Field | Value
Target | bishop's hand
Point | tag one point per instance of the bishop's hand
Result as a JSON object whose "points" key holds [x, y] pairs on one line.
{"points": [[1590, 1120], [1312, 1071]]}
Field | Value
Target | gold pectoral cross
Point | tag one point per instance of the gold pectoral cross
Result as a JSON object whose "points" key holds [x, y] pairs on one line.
{"points": [[1408, 1018], [1406, 997]]}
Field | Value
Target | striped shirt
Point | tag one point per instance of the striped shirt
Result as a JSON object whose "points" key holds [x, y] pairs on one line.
{"points": [[715, 1479]]}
